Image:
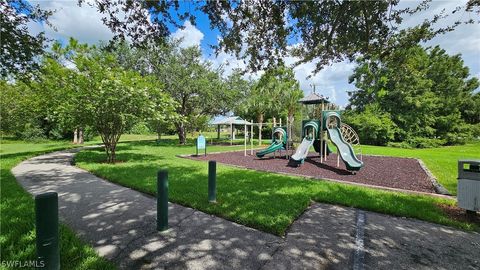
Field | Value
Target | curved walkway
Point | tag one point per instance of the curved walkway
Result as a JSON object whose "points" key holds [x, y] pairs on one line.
{"points": [[120, 224]]}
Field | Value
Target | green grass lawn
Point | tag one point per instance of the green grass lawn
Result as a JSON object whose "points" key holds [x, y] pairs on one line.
{"points": [[442, 162], [266, 201], [17, 240]]}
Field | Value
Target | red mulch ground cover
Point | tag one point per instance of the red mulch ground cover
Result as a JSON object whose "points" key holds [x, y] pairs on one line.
{"points": [[393, 172]]}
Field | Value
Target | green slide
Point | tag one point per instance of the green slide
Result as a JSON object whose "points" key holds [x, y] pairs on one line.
{"points": [[279, 141], [272, 148], [345, 150]]}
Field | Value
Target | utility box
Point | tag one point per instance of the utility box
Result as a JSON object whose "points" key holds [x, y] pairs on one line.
{"points": [[468, 189]]}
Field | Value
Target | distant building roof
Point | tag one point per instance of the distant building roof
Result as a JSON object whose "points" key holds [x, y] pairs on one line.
{"points": [[314, 98], [232, 120]]}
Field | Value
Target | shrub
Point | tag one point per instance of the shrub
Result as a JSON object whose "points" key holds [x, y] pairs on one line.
{"points": [[420, 142], [462, 133], [266, 132], [89, 133], [32, 132], [373, 127], [475, 131], [399, 145], [140, 128]]}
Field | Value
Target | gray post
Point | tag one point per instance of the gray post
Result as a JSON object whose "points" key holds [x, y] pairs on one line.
{"points": [[212, 181], [46, 221], [162, 200]]}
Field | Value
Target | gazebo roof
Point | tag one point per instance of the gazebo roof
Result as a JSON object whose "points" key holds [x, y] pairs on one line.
{"points": [[232, 120], [314, 98]]}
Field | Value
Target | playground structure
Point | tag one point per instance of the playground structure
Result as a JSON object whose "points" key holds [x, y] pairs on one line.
{"points": [[331, 122], [233, 122], [324, 126], [279, 142], [311, 134], [327, 127]]}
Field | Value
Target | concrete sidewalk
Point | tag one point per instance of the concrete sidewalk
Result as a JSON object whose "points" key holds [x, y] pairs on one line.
{"points": [[120, 224]]}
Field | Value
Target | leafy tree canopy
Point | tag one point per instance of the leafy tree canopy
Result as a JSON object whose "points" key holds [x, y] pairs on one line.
{"points": [[260, 31], [427, 92], [275, 94], [193, 83], [19, 48]]}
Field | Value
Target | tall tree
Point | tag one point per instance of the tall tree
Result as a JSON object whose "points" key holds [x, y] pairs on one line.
{"points": [[105, 96], [193, 83], [276, 93], [19, 47], [291, 94], [424, 91]]}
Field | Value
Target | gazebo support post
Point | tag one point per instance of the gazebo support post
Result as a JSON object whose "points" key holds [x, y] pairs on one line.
{"points": [[245, 140]]}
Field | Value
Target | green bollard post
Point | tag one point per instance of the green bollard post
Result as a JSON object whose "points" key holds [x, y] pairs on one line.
{"points": [[46, 227], [162, 200], [212, 181]]}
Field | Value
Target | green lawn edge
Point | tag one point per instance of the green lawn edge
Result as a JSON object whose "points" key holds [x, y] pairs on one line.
{"points": [[266, 201], [17, 240]]}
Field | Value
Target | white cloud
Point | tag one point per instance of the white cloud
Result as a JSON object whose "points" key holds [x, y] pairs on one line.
{"points": [[331, 81], [190, 35], [464, 39], [83, 23], [228, 62]]}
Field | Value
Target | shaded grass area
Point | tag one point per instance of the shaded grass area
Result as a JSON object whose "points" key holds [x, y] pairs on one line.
{"points": [[266, 201], [17, 226]]}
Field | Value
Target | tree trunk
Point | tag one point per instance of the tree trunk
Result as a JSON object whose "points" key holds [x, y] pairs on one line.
{"points": [[110, 143], [112, 155], [290, 127], [80, 136], [181, 133], [75, 134], [260, 125]]}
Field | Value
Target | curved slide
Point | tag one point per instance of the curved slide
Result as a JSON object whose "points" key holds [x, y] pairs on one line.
{"points": [[302, 150], [346, 151], [272, 148]]}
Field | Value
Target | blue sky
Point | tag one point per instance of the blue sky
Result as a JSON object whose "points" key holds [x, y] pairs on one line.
{"points": [[84, 23]]}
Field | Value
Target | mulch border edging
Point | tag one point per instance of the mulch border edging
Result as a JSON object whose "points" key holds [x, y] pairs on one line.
{"points": [[312, 178], [436, 185]]}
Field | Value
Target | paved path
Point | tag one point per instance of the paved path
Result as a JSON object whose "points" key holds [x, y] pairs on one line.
{"points": [[120, 224]]}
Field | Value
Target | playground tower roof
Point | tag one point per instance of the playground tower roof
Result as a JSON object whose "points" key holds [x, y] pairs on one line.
{"points": [[314, 98]]}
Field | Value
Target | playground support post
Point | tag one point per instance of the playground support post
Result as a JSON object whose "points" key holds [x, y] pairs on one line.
{"points": [[46, 225], [321, 140], [231, 134], [251, 139], [162, 200], [288, 137], [325, 150]]}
